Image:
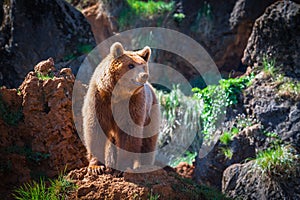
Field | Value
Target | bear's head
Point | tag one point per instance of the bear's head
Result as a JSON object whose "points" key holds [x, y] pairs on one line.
{"points": [[129, 68]]}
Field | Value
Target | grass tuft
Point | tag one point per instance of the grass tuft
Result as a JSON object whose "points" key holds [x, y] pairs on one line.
{"points": [[278, 161], [58, 190]]}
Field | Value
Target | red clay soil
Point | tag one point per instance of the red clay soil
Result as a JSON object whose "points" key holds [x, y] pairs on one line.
{"points": [[159, 184]]}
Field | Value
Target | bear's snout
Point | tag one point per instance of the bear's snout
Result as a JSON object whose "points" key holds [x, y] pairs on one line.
{"points": [[143, 77]]}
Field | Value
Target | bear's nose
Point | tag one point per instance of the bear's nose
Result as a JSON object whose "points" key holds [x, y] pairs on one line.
{"points": [[144, 77]]}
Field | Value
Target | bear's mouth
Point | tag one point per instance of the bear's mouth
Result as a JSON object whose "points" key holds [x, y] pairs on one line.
{"points": [[137, 83]]}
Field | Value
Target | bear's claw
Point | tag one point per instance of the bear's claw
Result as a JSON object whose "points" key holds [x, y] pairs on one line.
{"points": [[96, 169]]}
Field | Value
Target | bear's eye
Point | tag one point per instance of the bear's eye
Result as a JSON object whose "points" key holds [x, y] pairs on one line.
{"points": [[130, 66]]}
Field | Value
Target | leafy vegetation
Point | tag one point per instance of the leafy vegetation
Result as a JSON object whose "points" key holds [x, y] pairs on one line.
{"points": [[217, 98], [10, 117], [188, 157], [279, 161], [226, 138], [227, 152], [136, 9], [178, 17], [149, 8], [58, 190]]}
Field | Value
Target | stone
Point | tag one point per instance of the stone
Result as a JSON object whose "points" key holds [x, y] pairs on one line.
{"points": [[31, 31], [275, 35]]}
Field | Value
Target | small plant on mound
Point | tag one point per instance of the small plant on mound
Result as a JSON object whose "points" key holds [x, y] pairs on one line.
{"points": [[278, 161], [58, 190], [268, 67], [290, 89], [44, 77]]}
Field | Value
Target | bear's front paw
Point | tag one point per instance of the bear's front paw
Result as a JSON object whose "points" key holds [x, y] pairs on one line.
{"points": [[96, 169]]}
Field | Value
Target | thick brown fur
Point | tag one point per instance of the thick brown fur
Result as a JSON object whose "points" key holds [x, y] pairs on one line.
{"points": [[118, 81]]}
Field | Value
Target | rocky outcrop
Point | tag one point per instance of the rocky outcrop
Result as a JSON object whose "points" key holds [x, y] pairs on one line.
{"points": [[243, 182], [209, 170], [277, 114], [276, 35], [38, 135], [34, 30]]}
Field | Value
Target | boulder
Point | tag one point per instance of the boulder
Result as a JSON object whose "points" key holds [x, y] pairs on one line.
{"points": [[276, 35], [31, 31], [242, 181], [209, 169]]}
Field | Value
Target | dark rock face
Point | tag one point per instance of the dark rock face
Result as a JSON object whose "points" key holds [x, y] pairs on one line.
{"points": [[240, 181], [223, 28], [276, 114], [209, 170], [276, 35], [35, 30]]}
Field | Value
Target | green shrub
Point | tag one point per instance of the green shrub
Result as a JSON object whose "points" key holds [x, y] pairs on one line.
{"points": [[136, 9], [226, 138], [217, 98], [149, 8], [279, 161]]}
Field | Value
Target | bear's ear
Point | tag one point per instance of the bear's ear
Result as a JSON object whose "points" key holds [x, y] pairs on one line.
{"points": [[145, 53], [116, 50]]}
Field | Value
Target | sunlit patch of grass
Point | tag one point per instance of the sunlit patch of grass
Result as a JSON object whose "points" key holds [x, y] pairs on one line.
{"points": [[226, 138], [268, 67], [36, 190], [44, 77], [278, 161], [148, 8], [227, 152], [290, 89]]}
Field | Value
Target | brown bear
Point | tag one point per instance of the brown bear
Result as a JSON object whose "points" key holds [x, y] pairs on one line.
{"points": [[121, 116]]}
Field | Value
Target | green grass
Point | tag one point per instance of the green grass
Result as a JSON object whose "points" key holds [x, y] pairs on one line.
{"points": [[290, 89], [227, 152], [44, 77], [226, 138], [279, 161], [136, 9], [269, 67], [149, 8], [152, 196], [58, 189]]}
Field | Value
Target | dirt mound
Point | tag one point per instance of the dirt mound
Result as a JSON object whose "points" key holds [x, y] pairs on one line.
{"points": [[161, 183]]}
